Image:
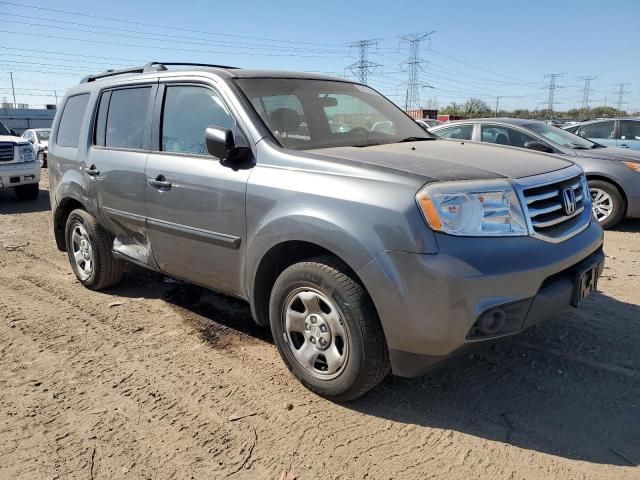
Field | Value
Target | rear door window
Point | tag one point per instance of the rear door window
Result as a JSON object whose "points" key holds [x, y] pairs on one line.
{"points": [[598, 130], [630, 130], [127, 118], [462, 132], [504, 136], [71, 121]]}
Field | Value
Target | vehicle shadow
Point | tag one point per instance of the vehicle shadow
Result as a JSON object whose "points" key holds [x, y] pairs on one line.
{"points": [[10, 204], [629, 225], [569, 387]]}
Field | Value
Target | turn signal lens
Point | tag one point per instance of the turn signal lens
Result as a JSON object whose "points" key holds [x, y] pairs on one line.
{"points": [[429, 211]]}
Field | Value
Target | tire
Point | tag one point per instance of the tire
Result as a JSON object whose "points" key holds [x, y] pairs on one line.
{"points": [[355, 341], [27, 192], [609, 206], [96, 267], [41, 160]]}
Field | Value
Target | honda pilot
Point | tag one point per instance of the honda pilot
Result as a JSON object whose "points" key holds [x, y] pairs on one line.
{"points": [[366, 249]]}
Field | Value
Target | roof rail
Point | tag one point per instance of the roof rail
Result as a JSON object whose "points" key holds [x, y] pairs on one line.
{"points": [[189, 64], [149, 67]]}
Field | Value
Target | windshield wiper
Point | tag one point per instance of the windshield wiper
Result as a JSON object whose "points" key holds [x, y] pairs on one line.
{"points": [[415, 139], [577, 146]]}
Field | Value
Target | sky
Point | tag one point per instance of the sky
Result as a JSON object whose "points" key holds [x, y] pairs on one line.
{"points": [[483, 49]]}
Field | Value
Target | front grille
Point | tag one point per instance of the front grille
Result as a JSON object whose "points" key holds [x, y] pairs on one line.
{"points": [[6, 151], [546, 207]]}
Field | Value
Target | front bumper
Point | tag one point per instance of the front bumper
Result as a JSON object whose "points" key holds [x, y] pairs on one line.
{"points": [[428, 304], [16, 174]]}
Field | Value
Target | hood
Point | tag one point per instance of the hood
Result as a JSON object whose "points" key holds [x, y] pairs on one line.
{"points": [[11, 138], [451, 159], [610, 153]]}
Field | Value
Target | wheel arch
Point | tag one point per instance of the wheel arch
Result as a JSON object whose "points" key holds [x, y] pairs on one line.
{"points": [[60, 216], [607, 179], [275, 261]]}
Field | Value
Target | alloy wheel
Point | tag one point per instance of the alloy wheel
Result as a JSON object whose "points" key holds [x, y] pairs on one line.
{"points": [[602, 204], [82, 251], [315, 333]]}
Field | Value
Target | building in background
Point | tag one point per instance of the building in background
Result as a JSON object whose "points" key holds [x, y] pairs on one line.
{"points": [[24, 118]]}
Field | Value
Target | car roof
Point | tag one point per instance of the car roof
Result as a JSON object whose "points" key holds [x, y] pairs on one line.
{"points": [[159, 69], [595, 120]]}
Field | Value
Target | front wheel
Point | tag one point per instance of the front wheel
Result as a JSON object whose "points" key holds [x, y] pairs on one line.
{"points": [[89, 251], [607, 203], [41, 160], [327, 330]]}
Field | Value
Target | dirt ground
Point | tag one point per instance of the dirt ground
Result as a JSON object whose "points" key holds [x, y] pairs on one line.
{"points": [[153, 380]]}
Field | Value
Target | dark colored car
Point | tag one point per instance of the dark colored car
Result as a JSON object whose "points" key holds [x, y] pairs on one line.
{"points": [[613, 173]]}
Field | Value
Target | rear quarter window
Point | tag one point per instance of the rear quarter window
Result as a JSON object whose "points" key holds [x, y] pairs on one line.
{"points": [[71, 121]]}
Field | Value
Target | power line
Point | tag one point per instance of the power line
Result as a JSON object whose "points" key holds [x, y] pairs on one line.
{"points": [[363, 67], [167, 27], [414, 65], [159, 37], [102, 42]]}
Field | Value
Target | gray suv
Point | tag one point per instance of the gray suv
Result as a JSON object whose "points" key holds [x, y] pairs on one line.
{"points": [[366, 250]]}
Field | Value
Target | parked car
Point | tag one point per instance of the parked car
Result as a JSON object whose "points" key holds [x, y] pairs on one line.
{"points": [[612, 132], [427, 123], [39, 138], [18, 167], [364, 250], [613, 174]]}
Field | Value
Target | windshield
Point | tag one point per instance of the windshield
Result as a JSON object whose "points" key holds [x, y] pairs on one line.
{"points": [[560, 137], [4, 130], [306, 114], [42, 135]]}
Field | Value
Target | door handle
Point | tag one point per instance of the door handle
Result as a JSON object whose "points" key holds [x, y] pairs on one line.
{"points": [[624, 146], [160, 182], [92, 171]]}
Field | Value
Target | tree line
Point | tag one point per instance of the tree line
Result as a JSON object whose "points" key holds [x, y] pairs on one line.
{"points": [[476, 108]]}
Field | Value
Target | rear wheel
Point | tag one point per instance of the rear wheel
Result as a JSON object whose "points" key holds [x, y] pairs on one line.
{"points": [[27, 192], [89, 251], [327, 330], [607, 203]]}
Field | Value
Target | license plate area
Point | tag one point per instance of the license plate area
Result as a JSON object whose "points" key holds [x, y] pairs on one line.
{"points": [[586, 282]]}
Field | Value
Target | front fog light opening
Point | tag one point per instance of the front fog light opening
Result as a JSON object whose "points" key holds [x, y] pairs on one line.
{"points": [[500, 320]]}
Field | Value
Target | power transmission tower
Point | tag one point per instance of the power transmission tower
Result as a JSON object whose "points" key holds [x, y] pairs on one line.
{"points": [[553, 86], [620, 95], [363, 67], [413, 65], [585, 93]]}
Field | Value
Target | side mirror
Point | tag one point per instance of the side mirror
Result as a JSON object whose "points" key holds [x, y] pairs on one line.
{"points": [[538, 146], [222, 145]]}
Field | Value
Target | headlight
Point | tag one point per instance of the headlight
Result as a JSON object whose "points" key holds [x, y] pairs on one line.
{"points": [[26, 153], [474, 208], [633, 166]]}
